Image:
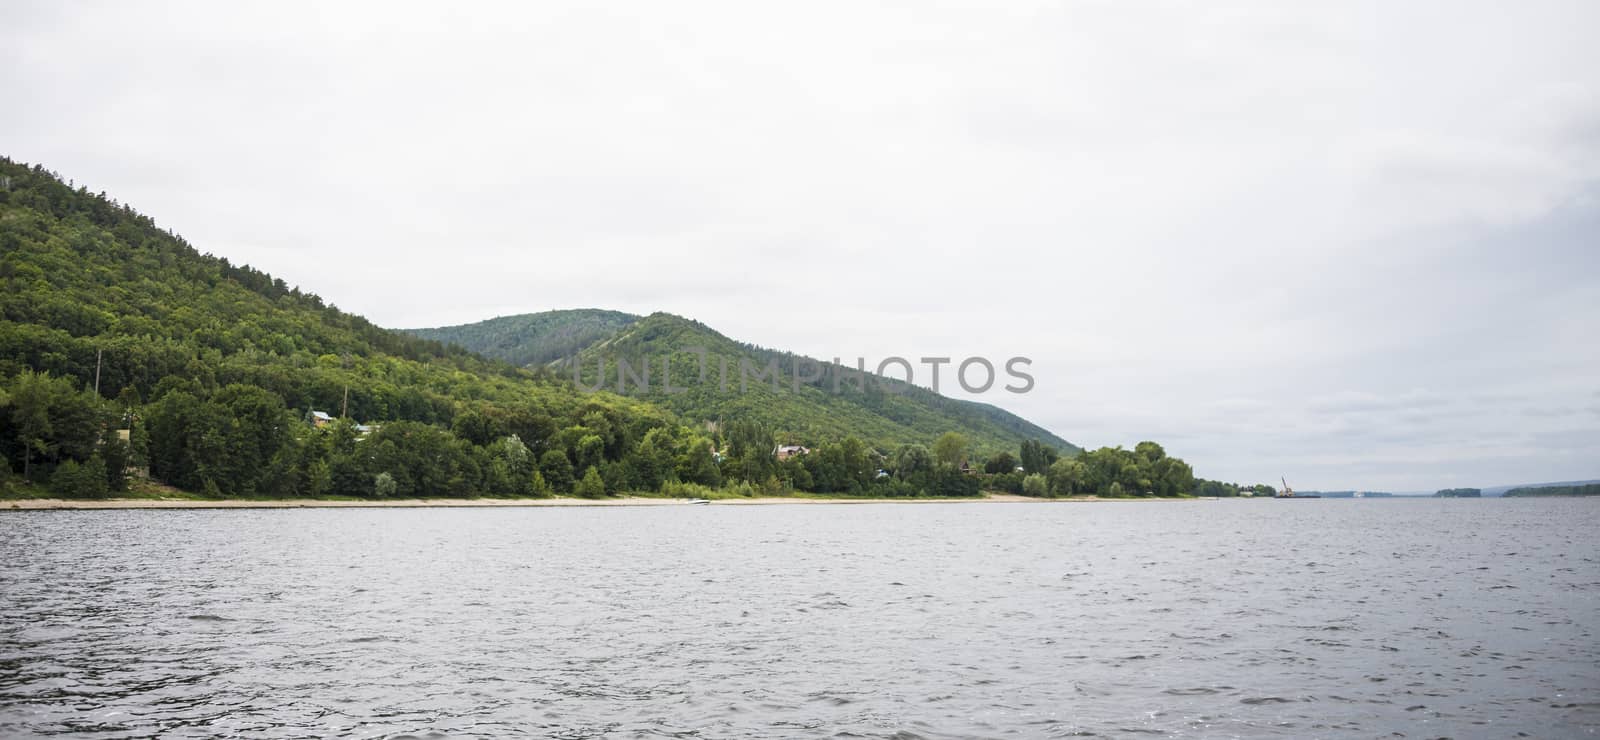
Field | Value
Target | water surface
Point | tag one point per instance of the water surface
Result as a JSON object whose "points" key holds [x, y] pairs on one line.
{"points": [[1329, 618]]}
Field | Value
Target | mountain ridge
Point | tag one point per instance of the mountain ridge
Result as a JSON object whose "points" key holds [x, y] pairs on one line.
{"points": [[887, 411]]}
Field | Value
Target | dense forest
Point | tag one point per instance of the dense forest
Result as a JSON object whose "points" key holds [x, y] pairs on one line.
{"points": [[1459, 493], [129, 354], [1586, 489], [714, 377], [533, 339]]}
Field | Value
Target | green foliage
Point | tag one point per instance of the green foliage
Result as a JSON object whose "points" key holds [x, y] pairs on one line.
{"points": [[1037, 457], [557, 470], [827, 403], [533, 339], [114, 454], [51, 420], [217, 368], [912, 460], [950, 449], [1067, 476], [1001, 463], [1460, 493], [1585, 489], [679, 489], [1145, 470], [80, 480], [591, 486], [1035, 485]]}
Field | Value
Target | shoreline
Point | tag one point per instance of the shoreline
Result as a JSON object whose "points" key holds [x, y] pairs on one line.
{"points": [[51, 504]]}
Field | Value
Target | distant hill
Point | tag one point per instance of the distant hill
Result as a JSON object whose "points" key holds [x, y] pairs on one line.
{"points": [[1587, 489], [1502, 490], [814, 412], [535, 338]]}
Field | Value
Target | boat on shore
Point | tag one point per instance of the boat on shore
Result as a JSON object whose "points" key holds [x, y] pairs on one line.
{"points": [[1288, 492]]}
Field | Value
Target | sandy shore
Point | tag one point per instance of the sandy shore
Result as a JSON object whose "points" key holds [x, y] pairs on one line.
{"points": [[148, 503]]}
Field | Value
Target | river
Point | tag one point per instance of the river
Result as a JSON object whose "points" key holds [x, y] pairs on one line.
{"points": [[1324, 618]]}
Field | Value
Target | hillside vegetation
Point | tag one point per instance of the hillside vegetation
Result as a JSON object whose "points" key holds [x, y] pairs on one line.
{"points": [[829, 401], [111, 324], [1587, 489], [535, 338]]}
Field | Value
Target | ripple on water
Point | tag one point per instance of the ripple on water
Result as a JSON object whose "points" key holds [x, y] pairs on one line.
{"points": [[1331, 618]]}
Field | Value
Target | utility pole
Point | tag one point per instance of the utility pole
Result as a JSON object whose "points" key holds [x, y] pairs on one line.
{"points": [[97, 354], [344, 406]]}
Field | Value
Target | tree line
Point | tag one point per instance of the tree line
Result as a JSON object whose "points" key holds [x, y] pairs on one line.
{"points": [[110, 324]]}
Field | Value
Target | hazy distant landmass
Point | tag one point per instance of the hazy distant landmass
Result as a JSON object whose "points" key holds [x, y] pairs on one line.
{"points": [[1506, 490], [1348, 494], [1589, 489], [1459, 493]]}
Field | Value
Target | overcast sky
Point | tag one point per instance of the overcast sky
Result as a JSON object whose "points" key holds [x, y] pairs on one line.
{"points": [[1356, 244]]}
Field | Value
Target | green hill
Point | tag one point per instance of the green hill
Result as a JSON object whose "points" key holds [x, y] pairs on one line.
{"points": [[235, 360], [535, 338], [819, 409], [224, 380]]}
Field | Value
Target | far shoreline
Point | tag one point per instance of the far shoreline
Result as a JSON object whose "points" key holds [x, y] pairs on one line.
{"points": [[51, 504]]}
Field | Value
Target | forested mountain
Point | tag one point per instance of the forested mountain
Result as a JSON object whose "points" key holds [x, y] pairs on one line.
{"points": [[828, 403], [231, 361], [535, 338], [1586, 489], [229, 381]]}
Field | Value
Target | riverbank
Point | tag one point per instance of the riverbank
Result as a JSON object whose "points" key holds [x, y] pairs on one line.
{"points": [[191, 503]]}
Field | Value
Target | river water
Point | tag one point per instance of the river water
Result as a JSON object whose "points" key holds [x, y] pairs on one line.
{"points": [[1329, 618]]}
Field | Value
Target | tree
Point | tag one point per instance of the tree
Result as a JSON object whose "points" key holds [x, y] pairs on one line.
{"points": [[1066, 476], [80, 480], [1001, 463], [1150, 451], [51, 419], [912, 460], [592, 486], [383, 485], [30, 414], [1035, 485], [950, 449], [1037, 457], [114, 453], [516, 463], [557, 470]]}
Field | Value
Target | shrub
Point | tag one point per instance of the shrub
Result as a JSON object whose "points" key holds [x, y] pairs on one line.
{"points": [[592, 486], [1035, 485], [679, 489], [537, 486], [80, 480]]}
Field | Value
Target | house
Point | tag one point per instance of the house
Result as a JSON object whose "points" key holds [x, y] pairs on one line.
{"points": [[320, 419], [784, 452]]}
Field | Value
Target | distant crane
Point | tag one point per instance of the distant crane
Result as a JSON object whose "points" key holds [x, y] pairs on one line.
{"points": [[1288, 492]]}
